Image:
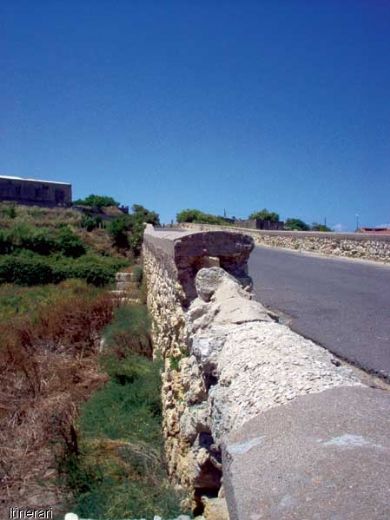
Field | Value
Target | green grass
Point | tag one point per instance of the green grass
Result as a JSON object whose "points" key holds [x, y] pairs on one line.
{"points": [[120, 471]]}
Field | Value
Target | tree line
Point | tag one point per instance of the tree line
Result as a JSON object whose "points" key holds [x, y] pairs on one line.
{"points": [[291, 224]]}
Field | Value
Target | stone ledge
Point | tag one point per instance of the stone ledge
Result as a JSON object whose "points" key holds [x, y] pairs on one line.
{"points": [[295, 234], [362, 246], [323, 456], [184, 253]]}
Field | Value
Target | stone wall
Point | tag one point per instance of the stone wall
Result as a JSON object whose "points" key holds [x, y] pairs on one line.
{"points": [[366, 246], [171, 261], [226, 361]]}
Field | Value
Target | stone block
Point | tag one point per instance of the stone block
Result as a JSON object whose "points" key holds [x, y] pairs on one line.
{"points": [[324, 456]]}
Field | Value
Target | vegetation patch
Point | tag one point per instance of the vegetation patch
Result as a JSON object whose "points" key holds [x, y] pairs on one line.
{"points": [[199, 217], [36, 254], [119, 471], [48, 355]]}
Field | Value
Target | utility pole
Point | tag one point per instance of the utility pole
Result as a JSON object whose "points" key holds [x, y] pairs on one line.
{"points": [[357, 222]]}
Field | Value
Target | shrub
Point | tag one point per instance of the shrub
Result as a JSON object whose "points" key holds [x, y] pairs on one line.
{"points": [[69, 244], [118, 229], [96, 270], [264, 214], [296, 224], [44, 241], [97, 201], [320, 227], [127, 231], [5, 243], [142, 215], [138, 274], [196, 216], [36, 269], [9, 211], [25, 271], [90, 223]]}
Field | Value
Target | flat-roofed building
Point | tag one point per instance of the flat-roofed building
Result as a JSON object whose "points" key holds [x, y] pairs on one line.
{"points": [[35, 192]]}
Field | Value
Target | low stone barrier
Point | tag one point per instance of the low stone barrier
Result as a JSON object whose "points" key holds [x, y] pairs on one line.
{"points": [[231, 373], [366, 246]]}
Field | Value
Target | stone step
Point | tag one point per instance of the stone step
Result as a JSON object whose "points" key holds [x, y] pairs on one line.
{"points": [[122, 295], [126, 286], [124, 277]]}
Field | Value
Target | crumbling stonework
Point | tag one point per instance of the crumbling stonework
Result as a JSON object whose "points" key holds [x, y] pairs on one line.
{"points": [[348, 245], [225, 359], [171, 262], [256, 363]]}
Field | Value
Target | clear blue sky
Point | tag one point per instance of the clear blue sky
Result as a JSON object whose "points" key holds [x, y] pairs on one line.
{"points": [[283, 104]]}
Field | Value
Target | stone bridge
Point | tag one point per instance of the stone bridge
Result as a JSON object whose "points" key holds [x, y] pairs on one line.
{"points": [[259, 422]]}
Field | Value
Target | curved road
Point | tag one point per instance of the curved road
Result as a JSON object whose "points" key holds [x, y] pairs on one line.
{"points": [[343, 305]]}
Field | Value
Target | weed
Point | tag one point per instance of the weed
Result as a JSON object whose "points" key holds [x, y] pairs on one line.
{"points": [[121, 471], [138, 274], [129, 332]]}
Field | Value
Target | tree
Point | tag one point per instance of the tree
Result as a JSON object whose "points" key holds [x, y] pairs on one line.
{"points": [[144, 215], [264, 214], [296, 224], [118, 230], [319, 227], [127, 231], [97, 201], [198, 217]]}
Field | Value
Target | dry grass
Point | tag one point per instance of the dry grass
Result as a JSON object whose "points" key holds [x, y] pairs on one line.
{"points": [[49, 366], [41, 217]]}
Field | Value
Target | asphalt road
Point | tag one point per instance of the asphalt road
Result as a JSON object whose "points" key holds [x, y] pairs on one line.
{"points": [[343, 305]]}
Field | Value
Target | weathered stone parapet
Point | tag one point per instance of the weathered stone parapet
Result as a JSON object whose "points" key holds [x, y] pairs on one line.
{"points": [[183, 253], [171, 261], [225, 360], [350, 245]]}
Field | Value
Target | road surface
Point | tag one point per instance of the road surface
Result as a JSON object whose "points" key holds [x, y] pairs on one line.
{"points": [[343, 305]]}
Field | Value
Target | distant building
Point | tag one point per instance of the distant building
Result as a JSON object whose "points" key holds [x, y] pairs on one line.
{"points": [[257, 223], [376, 230], [34, 192]]}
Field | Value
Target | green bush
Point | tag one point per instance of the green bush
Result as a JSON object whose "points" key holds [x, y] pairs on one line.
{"points": [[118, 230], [127, 231], [69, 244], [25, 271], [138, 275], [97, 201], [264, 214], [142, 215], [90, 222], [9, 211], [198, 217], [296, 224], [5, 244], [43, 241], [320, 227], [33, 269]]}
